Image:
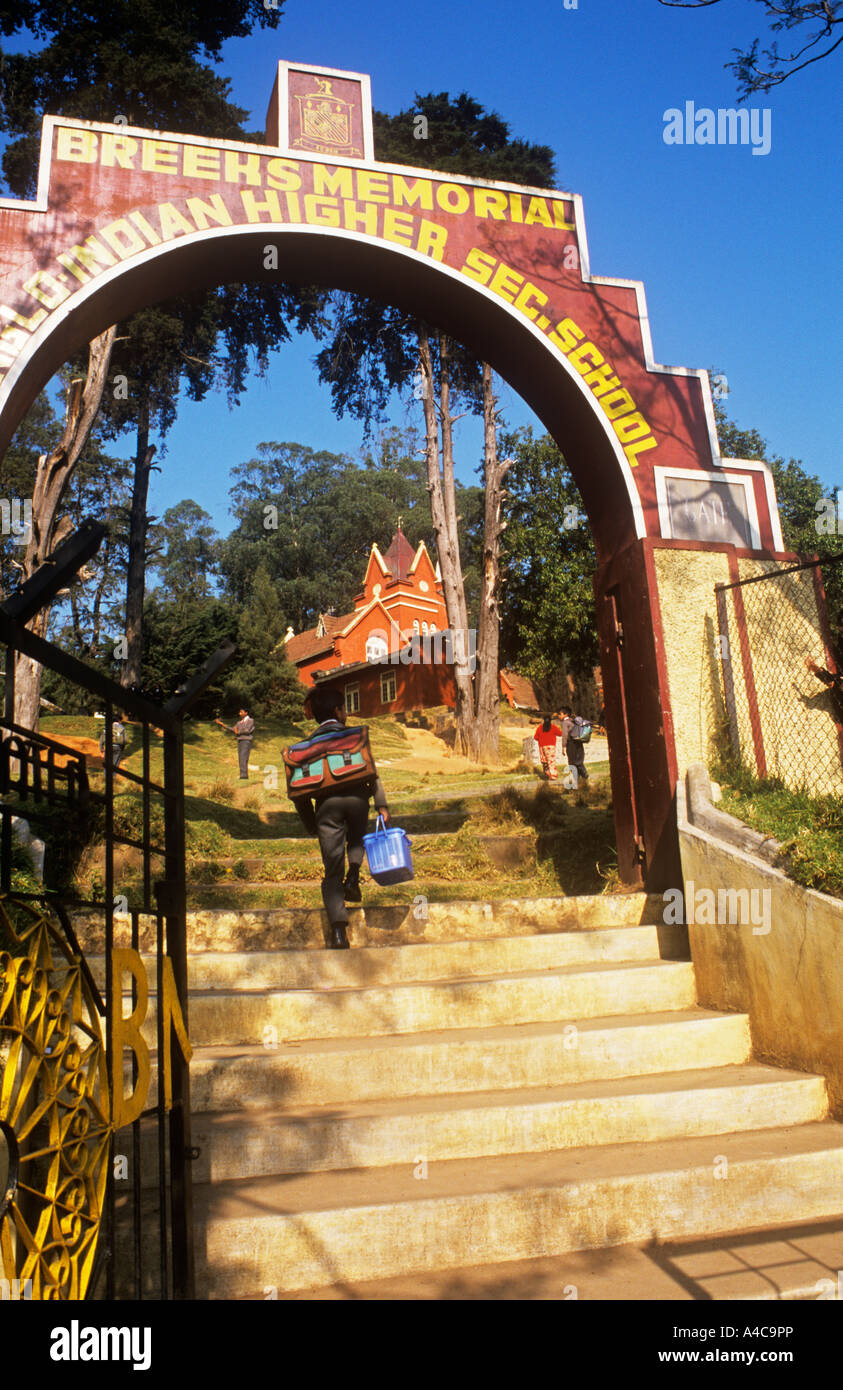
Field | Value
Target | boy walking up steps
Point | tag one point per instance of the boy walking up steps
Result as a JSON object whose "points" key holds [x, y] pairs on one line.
{"points": [[338, 816]]}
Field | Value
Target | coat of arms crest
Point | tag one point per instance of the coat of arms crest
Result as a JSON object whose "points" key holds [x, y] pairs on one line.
{"points": [[325, 121]]}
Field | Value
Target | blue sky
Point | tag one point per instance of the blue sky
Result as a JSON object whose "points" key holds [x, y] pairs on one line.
{"points": [[739, 253]]}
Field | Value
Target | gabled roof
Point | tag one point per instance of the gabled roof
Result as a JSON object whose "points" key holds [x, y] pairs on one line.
{"points": [[400, 556], [305, 645], [380, 559], [421, 554], [523, 691], [351, 620]]}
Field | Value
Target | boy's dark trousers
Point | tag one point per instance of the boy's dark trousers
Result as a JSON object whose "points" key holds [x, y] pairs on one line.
{"points": [[244, 748], [339, 818]]}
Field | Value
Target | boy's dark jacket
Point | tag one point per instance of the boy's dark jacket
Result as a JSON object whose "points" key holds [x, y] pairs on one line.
{"points": [[305, 804]]}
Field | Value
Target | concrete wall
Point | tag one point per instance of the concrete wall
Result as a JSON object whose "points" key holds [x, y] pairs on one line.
{"points": [[783, 627], [788, 980], [686, 580], [714, 696]]}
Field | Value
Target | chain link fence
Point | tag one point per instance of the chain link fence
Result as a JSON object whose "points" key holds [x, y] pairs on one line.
{"points": [[778, 695]]}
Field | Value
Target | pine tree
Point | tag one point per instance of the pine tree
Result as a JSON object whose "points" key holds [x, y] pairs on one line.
{"points": [[264, 681]]}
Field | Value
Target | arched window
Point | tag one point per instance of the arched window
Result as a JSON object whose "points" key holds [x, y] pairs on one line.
{"points": [[432, 627], [424, 629], [376, 648], [415, 627]]}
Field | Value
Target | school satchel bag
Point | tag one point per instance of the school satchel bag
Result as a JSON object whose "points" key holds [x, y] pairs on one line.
{"points": [[340, 759], [581, 732]]}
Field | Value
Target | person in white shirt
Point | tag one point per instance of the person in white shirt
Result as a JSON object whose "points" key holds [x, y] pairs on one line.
{"points": [[244, 732]]}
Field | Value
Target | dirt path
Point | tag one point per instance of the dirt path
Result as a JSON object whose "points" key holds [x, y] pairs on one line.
{"points": [[429, 754]]}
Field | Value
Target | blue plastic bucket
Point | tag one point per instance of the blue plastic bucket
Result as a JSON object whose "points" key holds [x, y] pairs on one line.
{"points": [[388, 853]]}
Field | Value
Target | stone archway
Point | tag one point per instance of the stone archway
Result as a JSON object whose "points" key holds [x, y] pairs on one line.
{"points": [[124, 216]]}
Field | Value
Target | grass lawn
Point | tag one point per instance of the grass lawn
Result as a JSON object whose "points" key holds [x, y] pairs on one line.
{"points": [[248, 848], [810, 828]]}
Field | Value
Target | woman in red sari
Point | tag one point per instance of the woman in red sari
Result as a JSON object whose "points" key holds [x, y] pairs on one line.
{"points": [[546, 735]]}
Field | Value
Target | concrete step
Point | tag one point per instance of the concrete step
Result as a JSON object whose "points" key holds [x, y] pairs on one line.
{"points": [[270, 929], [331, 1071], [787, 1263], [570, 992], [450, 960], [715, 1100], [313, 1230]]}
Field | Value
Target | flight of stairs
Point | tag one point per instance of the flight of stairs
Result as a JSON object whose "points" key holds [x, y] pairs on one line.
{"points": [[406, 1111]]}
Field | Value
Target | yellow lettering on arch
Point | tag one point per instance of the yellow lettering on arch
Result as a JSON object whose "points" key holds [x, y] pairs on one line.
{"points": [[173, 1020], [372, 187], [639, 447], [337, 183], [538, 211], [523, 301], [283, 174], [238, 166], [586, 356], [479, 265], [321, 212], [452, 197], [419, 191], [78, 146], [398, 227], [254, 207], [173, 222], [488, 202], [432, 239], [214, 210], [160, 156], [506, 282], [200, 163], [118, 150], [126, 1033], [360, 217], [566, 335]]}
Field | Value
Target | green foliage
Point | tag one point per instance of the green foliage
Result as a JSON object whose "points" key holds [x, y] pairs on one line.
{"points": [[87, 619], [37, 433], [142, 60], [204, 837], [204, 341], [178, 637], [328, 511], [184, 548], [547, 606], [264, 681], [759, 70], [92, 613], [809, 828], [461, 138], [137, 58], [372, 348], [128, 818], [798, 494]]}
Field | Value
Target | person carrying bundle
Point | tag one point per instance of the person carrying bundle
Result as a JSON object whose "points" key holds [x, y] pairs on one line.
{"points": [[331, 778], [576, 732], [546, 735]]}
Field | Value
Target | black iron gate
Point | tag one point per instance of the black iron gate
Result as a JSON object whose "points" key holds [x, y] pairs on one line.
{"points": [[78, 1215]]}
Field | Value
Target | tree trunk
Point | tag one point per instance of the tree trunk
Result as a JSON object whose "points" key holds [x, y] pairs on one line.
{"points": [[51, 480], [487, 684], [447, 547], [448, 485], [136, 573]]}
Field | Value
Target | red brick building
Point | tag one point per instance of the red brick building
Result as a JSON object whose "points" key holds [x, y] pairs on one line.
{"points": [[370, 652], [519, 692]]}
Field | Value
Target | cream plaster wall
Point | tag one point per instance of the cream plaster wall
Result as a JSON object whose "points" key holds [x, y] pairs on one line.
{"points": [[706, 677]]}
